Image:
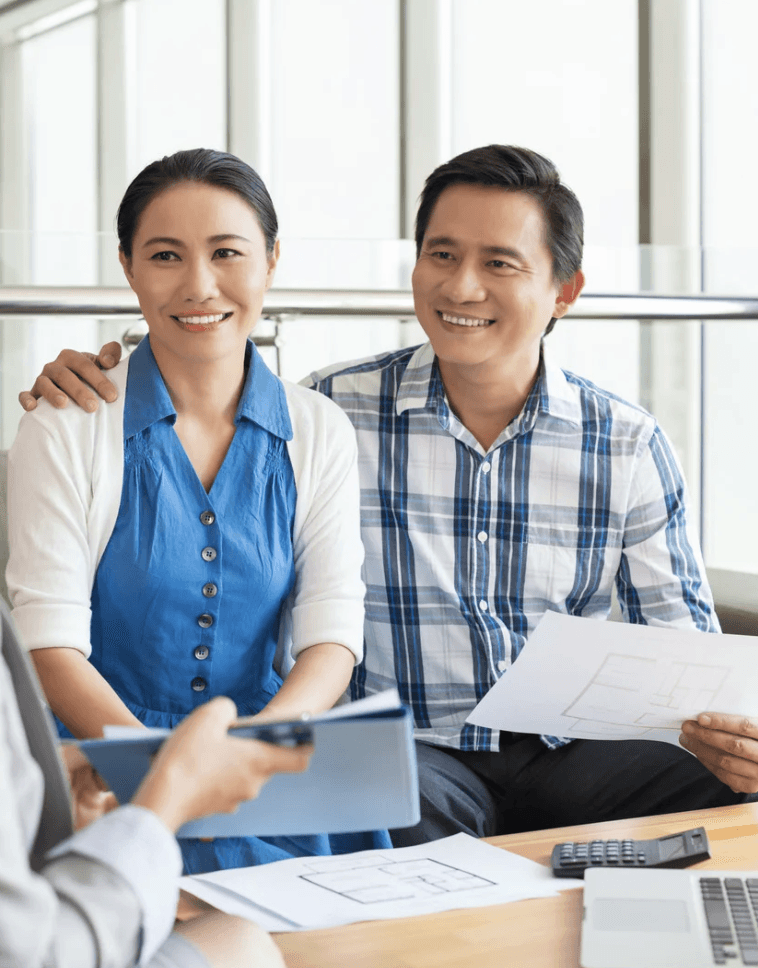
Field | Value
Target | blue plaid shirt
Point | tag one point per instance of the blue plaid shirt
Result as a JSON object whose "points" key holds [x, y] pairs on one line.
{"points": [[467, 549]]}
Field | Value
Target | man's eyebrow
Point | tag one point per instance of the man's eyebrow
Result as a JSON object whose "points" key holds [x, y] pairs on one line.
{"points": [[504, 250], [436, 240], [507, 251]]}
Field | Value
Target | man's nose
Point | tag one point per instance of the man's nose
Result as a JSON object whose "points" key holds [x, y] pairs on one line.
{"points": [[464, 284], [200, 281]]}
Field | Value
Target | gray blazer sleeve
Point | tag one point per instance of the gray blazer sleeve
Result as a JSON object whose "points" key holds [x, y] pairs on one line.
{"points": [[104, 897]]}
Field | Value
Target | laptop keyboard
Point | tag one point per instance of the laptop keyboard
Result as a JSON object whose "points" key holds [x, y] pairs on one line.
{"points": [[738, 897]]}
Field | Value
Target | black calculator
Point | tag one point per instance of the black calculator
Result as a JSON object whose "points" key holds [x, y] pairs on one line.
{"points": [[675, 850]]}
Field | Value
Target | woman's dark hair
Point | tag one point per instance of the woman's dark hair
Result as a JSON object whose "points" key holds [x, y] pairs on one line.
{"points": [[197, 165], [516, 170]]}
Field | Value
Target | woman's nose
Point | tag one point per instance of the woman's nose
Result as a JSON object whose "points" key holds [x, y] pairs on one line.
{"points": [[200, 281]]}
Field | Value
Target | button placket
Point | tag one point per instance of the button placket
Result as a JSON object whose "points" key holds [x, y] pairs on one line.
{"points": [[206, 620]]}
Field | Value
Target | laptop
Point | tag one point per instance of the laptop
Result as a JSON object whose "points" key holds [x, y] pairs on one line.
{"points": [[664, 918]]}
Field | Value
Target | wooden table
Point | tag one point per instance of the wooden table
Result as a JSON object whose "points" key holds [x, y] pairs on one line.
{"points": [[538, 933]]}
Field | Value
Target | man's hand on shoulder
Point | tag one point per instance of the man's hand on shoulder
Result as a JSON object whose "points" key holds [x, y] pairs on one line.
{"points": [[75, 375], [727, 746]]}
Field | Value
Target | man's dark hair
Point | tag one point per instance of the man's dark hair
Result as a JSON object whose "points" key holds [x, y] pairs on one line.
{"points": [[196, 165], [516, 170]]}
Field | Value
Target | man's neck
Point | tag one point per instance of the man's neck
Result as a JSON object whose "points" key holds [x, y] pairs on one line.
{"points": [[486, 398]]}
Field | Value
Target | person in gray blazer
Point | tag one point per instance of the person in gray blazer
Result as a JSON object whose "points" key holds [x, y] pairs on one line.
{"points": [[105, 896]]}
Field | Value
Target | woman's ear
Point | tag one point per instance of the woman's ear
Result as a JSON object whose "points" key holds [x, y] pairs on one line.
{"points": [[272, 261], [126, 265]]}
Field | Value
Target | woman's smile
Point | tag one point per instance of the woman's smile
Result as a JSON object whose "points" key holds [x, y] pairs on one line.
{"points": [[200, 322]]}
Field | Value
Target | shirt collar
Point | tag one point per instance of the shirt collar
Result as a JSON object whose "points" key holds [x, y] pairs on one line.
{"points": [[421, 387], [263, 399]]}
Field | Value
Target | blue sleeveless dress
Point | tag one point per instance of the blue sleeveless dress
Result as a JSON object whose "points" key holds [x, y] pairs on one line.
{"points": [[188, 594]]}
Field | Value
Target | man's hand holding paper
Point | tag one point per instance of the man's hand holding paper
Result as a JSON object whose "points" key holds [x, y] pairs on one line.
{"points": [[727, 745], [579, 678]]}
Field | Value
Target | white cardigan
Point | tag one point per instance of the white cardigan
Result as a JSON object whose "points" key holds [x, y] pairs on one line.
{"points": [[65, 474]]}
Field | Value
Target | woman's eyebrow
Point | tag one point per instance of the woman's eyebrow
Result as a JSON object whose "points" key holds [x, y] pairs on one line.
{"points": [[177, 243], [163, 240], [226, 237]]}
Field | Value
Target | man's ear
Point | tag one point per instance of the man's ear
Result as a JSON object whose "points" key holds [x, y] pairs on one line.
{"points": [[568, 294], [272, 261], [126, 265]]}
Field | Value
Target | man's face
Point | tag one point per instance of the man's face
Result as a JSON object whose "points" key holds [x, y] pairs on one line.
{"points": [[483, 284]]}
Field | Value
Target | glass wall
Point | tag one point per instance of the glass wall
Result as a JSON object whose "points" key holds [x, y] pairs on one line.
{"points": [[730, 213], [344, 106]]}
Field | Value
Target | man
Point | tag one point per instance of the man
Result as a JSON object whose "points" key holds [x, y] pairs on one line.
{"points": [[496, 487]]}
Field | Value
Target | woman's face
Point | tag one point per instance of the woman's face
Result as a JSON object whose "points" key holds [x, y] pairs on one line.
{"points": [[200, 270]]}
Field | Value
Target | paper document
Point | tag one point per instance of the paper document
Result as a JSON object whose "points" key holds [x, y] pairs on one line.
{"points": [[319, 892], [581, 678]]}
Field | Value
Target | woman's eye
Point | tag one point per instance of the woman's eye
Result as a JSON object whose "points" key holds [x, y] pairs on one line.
{"points": [[225, 253], [164, 256]]}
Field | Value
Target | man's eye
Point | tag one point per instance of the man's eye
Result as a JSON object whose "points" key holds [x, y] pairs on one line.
{"points": [[443, 255], [499, 264], [164, 256]]}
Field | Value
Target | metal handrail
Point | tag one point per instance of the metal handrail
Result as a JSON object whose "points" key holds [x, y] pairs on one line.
{"points": [[103, 301]]}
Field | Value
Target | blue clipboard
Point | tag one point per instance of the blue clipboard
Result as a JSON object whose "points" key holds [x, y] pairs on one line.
{"points": [[362, 776]]}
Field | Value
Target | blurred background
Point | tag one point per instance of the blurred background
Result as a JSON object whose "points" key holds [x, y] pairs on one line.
{"points": [[648, 107]]}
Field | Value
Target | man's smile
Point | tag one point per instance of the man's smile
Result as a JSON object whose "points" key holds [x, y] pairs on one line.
{"points": [[464, 320]]}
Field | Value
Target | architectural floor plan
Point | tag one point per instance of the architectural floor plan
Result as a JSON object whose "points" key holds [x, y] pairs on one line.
{"points": [[633, 691], [384, 879]]}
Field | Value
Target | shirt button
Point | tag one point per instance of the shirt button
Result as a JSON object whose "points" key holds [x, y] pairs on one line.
{"points": [[502, 665], [486, 467], [209, 553], [201, 652], [209, 590], [199, 684], [483, 605], [207, 517], [482, 536], [205, 621]]}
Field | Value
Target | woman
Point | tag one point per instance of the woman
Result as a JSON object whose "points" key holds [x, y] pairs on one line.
{"points": [[169, 550]]}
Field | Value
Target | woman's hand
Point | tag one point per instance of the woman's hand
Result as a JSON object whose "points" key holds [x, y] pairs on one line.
{"points": [[75, 375], [201, 769]]}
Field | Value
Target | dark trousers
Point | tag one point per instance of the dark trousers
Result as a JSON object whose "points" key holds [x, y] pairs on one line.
{"points": [[526, 786]]}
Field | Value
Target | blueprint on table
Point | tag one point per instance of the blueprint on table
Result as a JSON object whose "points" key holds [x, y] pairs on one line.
{"points": [[316, 892], [590, 679]]}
